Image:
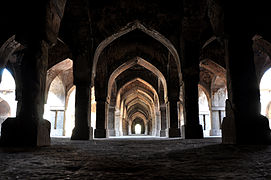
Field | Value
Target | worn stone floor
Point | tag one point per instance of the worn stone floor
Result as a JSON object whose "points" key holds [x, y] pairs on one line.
{"points": [[137, 158]]}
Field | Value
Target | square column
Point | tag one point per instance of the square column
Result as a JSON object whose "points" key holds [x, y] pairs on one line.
{"points": [[216, 120], [163, 131], [243, 123], [29, 128], [192, 128], [101, 109], [173, 130], [81, 130], [111, 121], [190, 68]]}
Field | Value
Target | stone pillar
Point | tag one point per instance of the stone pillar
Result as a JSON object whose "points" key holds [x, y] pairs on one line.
{"points": [[101, 109], [118, 123], [215, 121], [243, 123], [124, 127], [192, 128], [158, 122], [81, 130], [82, 80], [36, 33], [111, 121], [29, 128], [129, 128], [190, 68], [146, 129], [173, 130], [163, 131]]}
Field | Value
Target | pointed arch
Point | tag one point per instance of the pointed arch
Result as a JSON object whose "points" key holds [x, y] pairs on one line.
{"points": [[142, 81], [132, 62], [207, 94], [213, 67], [129, 28]]}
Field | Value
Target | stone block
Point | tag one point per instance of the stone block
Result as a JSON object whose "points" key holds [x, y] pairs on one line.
{"points": [[100, 133], [228, 131], [174, 132], [163, 133], [192, 132], [19, 132], [80, 133]]}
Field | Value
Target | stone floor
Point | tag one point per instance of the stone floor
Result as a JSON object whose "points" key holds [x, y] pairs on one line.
{"points": [[138, 158]]}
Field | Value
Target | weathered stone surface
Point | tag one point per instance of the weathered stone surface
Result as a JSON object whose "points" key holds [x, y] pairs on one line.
{"points": [[18, 132], [136, 159], [174, 132]]}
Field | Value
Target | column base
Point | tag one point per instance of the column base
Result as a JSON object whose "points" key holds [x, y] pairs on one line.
{"points": [[215, 132], [81, 133], [21, 133], [111, 132], [174, 132], [255, 130], [100, 133], [163, 133], [192, 132]]}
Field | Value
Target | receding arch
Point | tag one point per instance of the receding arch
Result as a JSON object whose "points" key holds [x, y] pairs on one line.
{"points": [[129, 28], [140, 106], [213, 67], [132, 81], [140, 115], [139, 98], [143, 63], [56, 70]]}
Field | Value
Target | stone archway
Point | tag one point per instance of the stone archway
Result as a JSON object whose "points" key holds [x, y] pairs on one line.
{"points": [[218, 104], [55, 106], [137, 98], [141, 62], [204, 111], [104, 67], [115, 108], [129, 28], [59, 86]]}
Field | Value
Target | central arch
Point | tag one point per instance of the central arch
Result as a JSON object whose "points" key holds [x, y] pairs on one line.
{"points": [[129, 28]]}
